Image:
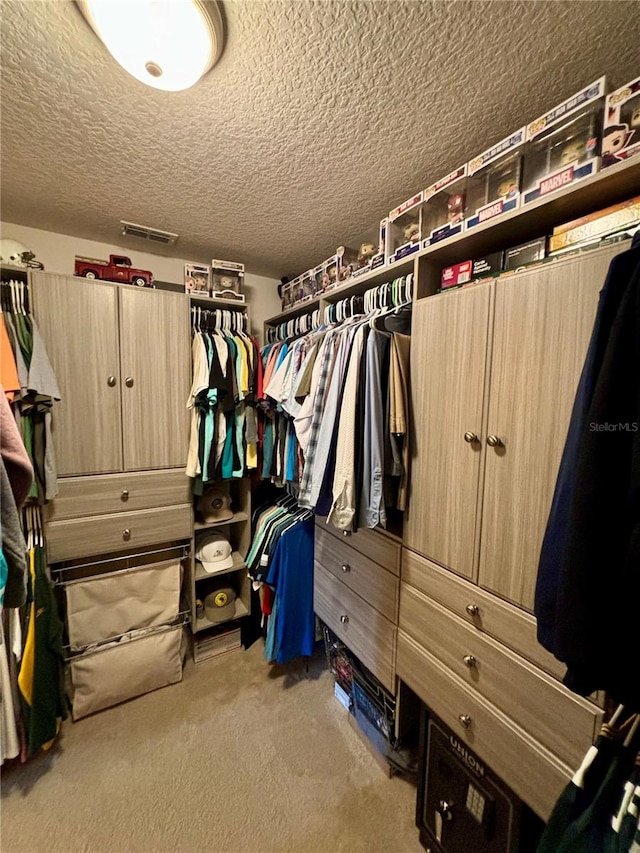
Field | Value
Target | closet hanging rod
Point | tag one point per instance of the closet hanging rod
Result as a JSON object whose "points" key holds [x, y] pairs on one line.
{"points": [[184, 548]]}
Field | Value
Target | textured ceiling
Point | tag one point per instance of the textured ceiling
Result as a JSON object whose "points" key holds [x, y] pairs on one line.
{"points": [[319, 118]]}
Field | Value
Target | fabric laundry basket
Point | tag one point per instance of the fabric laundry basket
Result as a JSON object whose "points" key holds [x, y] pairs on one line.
{"points": [[103, 607], [136, 664]]}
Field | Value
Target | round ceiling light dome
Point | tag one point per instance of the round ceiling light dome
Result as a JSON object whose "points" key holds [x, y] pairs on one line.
{"points": [[167, 44]]}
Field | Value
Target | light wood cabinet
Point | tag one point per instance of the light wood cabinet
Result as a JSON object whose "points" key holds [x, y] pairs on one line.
{"points": [[78, 322], [542, 327], [448, 357], [498, 360], [155, 359], [121, 357]]}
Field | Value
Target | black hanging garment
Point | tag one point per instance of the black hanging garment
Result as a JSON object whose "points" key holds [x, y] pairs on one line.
{"points": [[588, 586]]}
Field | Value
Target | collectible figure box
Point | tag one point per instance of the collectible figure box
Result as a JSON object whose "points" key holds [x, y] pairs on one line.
{"points": [[330, 272], [526, 253], [227, 279], [444, 207], [308, 285], [405, 229], [456, 275], [621, 134], [597, 225], [563, 146], [318, 274], [372, 253], [493, 184], [197, 279], [347, 259]]}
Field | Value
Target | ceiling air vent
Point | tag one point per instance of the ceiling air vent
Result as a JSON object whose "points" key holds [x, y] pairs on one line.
{"points": [[154, 235]]}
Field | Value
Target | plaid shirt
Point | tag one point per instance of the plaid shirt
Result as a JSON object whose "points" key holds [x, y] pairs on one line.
{"points": [[327, 358]]}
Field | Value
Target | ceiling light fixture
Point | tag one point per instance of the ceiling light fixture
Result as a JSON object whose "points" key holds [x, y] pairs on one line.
{"points": [[167, 44]]}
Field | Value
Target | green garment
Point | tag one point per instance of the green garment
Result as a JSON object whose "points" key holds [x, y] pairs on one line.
{"points": [[42, 698]]}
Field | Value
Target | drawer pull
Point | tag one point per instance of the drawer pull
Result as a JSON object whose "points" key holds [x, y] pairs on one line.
{"points": [[111, 381], [126, 534], [470, 661], [346, 567], [465, 719], [472, 609], [124, 495], [344, 619]]}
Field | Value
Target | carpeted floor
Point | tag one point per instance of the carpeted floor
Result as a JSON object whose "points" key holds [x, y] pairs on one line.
{"points": [[237, 757]]}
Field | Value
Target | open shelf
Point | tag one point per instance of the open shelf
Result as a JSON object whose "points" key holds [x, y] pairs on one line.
{"points": [[217, 302], [240, 611], [238, 563], [538, 219], [205, 525], [359, 284], [307, 307]]}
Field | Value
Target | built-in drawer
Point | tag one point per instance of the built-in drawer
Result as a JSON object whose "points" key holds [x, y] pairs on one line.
{"points": [[82, 496], [507, 623], [376, 585], [102, 534], [561, 721], [534, 773], [369, 635], [377, 545]]}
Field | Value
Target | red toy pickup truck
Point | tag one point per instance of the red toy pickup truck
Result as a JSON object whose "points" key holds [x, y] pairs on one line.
{"points": [[117, 268]]}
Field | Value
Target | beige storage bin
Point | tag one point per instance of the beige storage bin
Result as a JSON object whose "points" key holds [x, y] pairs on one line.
{"points": [[103, 607], [119, 671]]}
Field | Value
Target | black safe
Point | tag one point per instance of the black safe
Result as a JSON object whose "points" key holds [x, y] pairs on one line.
{"points": [[463, 807]]}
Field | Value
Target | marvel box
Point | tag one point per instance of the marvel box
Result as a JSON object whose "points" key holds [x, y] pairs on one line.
{"points": [[493, 184], [621, 133], [444, 207], [563, 145]]}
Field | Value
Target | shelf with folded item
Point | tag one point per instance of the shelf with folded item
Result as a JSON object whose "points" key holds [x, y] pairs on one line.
{"points": [[235, 518], [238, 564], [227, 595]]}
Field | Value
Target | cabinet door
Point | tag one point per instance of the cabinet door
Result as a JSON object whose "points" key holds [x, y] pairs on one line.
{"points": [[78, 321], [448, 363], [155, 360], [542, 328]]}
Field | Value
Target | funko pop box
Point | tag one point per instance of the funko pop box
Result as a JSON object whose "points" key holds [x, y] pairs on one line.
{"points": [[227, 275], [366, 261], [621, 133], [563, 145], [444, 207], [493, 183], [404, 229]]}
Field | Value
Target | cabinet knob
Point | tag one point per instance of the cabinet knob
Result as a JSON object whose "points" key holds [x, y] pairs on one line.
{"points": [[344, 619], [124, 495], [111, 381], [346, 567], [126, 534], [465, 719], [472, 609], [129, 381], [494, 441], [346, 533], [470, 437], [469, 660]]}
